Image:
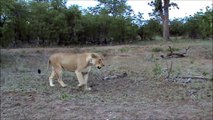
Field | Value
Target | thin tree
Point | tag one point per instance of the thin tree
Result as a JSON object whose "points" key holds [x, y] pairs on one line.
{"points": [[161, 8]]}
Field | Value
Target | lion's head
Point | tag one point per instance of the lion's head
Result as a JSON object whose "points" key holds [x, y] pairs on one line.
{"points": [[97, 60]]}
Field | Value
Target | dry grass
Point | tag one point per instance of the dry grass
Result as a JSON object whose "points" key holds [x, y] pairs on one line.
{"points": [[143, 94]]}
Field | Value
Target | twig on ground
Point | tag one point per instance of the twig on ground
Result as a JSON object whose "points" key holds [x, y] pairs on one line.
{"points": [[170, 70]]}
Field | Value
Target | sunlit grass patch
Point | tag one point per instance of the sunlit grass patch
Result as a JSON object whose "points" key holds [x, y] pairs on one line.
{"points": [[157, 49], [124, 50]]}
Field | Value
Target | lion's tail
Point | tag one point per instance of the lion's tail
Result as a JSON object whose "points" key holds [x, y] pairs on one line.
{"points": [[48, 64]]}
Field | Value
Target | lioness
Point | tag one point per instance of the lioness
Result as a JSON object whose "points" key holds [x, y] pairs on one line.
{"points": [[79, 63]]}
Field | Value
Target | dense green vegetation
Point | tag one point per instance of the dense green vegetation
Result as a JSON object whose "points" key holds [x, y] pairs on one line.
{"points": [[51, 22]]}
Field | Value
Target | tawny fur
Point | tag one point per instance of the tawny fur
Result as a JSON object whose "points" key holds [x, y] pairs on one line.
{"points": [[78, 63]]}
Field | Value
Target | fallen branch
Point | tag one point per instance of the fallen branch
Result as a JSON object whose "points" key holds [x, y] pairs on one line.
{"points": [[115, 76], [193, 77]]}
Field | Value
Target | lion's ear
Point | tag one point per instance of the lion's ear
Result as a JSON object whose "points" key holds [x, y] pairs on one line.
{"points": [[93, 55]]}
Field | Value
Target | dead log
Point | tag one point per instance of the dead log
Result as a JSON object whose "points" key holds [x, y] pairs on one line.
{"points": [[172, 54]]}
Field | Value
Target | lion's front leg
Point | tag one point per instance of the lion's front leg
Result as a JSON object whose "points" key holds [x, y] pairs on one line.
{"points": [[82, 79], [86, 75]]}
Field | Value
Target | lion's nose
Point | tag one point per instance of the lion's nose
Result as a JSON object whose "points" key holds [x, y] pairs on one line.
{"points": [[99, 67]]}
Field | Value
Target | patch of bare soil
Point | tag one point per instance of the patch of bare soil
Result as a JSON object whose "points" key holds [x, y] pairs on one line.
{"points": [[142, 93]]}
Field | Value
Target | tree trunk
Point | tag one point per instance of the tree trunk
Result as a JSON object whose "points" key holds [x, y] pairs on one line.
{"points": [[166, 20], [166, 29]]}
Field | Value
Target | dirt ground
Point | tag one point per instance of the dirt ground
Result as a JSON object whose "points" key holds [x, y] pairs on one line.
{"points": [[144, 94]]}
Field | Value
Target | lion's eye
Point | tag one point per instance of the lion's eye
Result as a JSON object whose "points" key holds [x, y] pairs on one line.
{"points": [[99, 61]]}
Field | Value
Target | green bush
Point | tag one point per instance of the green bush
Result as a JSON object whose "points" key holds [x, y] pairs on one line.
{"points": [[157, 70]]}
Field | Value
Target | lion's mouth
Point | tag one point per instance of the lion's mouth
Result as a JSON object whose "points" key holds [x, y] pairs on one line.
{"points": [[99, 67]]}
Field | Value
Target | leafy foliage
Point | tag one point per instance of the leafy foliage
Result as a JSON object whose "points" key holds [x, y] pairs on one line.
{"points": [[177, 27], [52, 23], [197, 26], [150, 29], [200, 25]]}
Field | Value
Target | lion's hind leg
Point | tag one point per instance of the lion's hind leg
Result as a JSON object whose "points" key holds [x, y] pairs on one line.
{"points": [[52, 76], [59, 74]]}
